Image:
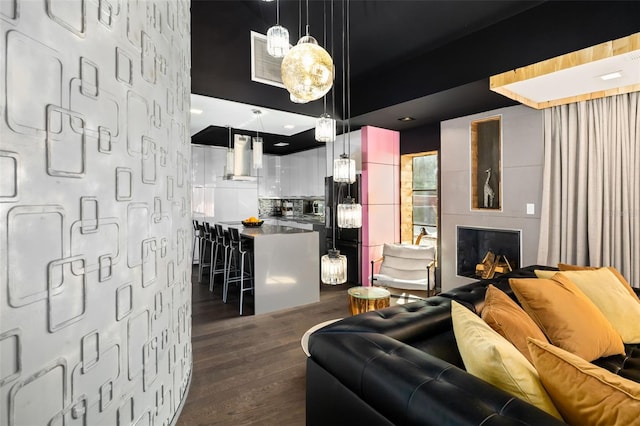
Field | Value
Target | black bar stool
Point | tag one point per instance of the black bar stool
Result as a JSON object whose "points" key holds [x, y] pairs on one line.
{"points": [[218, 254], [205, 244], [239, 266]]}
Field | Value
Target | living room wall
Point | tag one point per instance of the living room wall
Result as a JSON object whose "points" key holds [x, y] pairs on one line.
{"points": [[95, 218], [522, 167]]}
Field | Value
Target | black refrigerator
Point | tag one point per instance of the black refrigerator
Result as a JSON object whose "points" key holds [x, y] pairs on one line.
{"points": [[348, 241]]}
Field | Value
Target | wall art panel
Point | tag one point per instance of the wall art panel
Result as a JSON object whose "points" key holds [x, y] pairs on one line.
{"points": [[95, 226]]}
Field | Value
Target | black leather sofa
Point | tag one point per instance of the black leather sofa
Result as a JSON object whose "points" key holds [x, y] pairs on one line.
{"points": [[401, 366]]}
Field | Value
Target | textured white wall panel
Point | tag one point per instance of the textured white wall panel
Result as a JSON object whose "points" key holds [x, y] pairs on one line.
{"points": [[95, 219]]}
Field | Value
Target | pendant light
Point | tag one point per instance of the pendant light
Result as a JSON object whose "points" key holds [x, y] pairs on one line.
{"points": [[229, 168], [325, 125], [344, 169], [278, 37], [333, 268], [349, 212], [257, 142], [307, 69]]}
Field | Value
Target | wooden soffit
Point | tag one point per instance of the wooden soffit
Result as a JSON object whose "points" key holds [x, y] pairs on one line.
{"points": [[575, 76]]}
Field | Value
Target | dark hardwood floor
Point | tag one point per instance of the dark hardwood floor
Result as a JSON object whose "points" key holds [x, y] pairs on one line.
{"points": [[250, 370]]}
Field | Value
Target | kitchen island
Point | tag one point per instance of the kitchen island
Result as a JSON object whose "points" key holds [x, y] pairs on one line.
{"points": [[286, 266]]}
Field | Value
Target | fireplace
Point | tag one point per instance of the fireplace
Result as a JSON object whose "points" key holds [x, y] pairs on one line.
{"points": [[474, 243]]}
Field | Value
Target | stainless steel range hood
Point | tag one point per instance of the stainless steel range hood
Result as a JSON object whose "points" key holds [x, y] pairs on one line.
{"points": [[242, 159]]}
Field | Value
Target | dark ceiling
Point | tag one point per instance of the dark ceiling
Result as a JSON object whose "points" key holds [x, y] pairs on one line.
{"points": [[430, 60]]}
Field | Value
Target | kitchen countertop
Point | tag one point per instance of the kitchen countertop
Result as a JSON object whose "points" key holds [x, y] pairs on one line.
{"points": [[315, 219], [265, 229]]}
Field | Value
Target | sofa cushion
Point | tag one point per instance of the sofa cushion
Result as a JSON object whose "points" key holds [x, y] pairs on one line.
{"points": [[614, 271], [584, 393], [567, 317], [604, 289], [490, 357], [504, 315]]}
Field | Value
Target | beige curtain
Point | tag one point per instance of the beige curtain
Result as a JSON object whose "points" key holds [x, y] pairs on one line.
{"points": [[591, 189]]}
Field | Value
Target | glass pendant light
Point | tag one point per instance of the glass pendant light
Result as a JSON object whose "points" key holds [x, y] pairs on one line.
{"points": [[278, 37], [344, 169], [257, 152], [296, 100], [349, 214], [258, 143], [307, 70], [230, 160], [333, 268], [325, 128]]}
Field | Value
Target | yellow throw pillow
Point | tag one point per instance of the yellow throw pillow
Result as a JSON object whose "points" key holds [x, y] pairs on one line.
{"points": [[488, 356], [604, 289], [504, 315], [567, 317], [585, 394], [623, 280], [542, 273]]}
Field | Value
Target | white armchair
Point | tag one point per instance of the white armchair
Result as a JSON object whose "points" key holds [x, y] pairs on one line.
{"points": [[406, 267]]}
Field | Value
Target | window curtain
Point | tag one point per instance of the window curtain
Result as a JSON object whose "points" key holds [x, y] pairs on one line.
{"points": [[591, 185]]}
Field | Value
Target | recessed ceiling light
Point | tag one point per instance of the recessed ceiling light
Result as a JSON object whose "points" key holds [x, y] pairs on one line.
{"points": [[289, 126], [281, 144], [611, 75], [196, 111], [407, 118]]}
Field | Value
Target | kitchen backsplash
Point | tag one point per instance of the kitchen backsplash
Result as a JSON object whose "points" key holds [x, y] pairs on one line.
{"points": [[273, 206]]}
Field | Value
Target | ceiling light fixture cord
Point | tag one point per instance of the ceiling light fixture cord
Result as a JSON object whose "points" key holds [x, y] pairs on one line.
{"points": [[277, 12], [343, 80], [333, 92], [348, 83], [307, 17]]}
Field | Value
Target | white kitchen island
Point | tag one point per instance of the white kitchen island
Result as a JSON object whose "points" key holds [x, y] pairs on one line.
{"points": [[286, 266]]}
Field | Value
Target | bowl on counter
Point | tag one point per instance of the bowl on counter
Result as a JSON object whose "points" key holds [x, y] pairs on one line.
{"points": [[252, 224]]}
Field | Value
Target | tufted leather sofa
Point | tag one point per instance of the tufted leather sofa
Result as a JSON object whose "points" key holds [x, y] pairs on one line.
{"points": [[401, 366]]}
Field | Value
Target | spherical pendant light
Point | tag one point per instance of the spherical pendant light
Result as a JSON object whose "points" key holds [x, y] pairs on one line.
{"points": [[307, 70]]}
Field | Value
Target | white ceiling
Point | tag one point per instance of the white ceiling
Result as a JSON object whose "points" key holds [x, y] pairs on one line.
{"points": [[223, 113]]}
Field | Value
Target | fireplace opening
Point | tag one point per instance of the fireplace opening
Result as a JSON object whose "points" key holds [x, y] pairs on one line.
{"points": [[473, 244]]}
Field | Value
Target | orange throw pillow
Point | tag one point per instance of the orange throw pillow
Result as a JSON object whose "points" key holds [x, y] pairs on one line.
{"points": [[509, 320], [585, 394], [567, 317]]}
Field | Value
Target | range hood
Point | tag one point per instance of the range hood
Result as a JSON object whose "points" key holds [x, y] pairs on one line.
{"points": [[242, 159]]}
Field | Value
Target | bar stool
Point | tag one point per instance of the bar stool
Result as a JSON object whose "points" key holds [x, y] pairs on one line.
{"points": [[239, 256], [205, 243], [196, 240], [218, 254]]}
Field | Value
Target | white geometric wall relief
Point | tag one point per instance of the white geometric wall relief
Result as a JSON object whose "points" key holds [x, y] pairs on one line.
{"points": [[149, 261], [41, 398], [88, 78], [149, 160], [137, 122], [107, 11], [101, 248], [124, 66], [9, 176], [137, 343], [137, 232], [124, 301], [27, 275], [66, 143], [100, 111], [156, 120], [170, 183], [69, 14], [124, 184], [67, 292], [8, 9], [96, 383], [28, 94], [10, 356], [88, 215]]}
